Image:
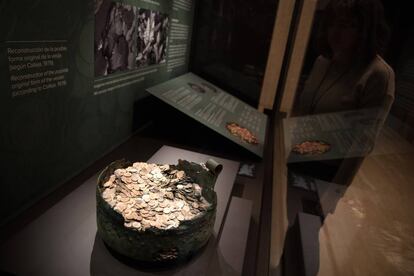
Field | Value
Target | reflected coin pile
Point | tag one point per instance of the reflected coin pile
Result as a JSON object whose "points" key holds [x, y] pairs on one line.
{"points": [[311, 148], [150, 195]]}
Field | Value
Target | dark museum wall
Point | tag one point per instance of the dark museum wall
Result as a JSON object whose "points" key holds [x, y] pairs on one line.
{"points": [[56, 118], [231, 44]]}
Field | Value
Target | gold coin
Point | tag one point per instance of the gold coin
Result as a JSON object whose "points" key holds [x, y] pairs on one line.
{"points": [[107, 184], [146, 198], [132, 170], [120, 206], [136, 224], [124, 199], [127, 174], [153, 203], [129, 216]]}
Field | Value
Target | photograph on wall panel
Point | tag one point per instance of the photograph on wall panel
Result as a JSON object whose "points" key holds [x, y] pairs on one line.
{"points": [[128, 37]]}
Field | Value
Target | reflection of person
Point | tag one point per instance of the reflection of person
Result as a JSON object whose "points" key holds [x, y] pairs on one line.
{"points": [[349, 74], [196, 87]]}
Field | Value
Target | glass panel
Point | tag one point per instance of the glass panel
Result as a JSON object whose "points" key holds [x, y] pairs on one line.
{"points": [[231, 44], [351, 139]]}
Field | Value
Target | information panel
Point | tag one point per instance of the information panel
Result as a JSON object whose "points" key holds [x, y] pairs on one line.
{"points": [[216, 109], [36, 66]]}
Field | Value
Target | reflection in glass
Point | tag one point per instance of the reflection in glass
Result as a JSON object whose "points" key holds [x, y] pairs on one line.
{"points": [[360, 189], [348, 75]]}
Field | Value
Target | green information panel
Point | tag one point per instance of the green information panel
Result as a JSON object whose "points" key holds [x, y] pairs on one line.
{"points": [[216, 109]]}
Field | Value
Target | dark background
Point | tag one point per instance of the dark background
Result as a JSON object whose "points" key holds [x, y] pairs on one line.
{"points": [[231, 44]]}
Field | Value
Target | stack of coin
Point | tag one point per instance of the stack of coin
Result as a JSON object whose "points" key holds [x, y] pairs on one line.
{"points": [[151, 195]]}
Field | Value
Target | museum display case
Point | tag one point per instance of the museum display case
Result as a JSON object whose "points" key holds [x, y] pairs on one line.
{"points": [[91, 82], [264, 138]]}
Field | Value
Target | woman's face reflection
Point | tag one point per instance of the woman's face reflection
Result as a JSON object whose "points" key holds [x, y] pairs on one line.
{"points": [[342, 36]]}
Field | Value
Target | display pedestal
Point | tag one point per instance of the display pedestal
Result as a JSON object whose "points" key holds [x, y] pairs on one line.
{"points": [[64, 241]]}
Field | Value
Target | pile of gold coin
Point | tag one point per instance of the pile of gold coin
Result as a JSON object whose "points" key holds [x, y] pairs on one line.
{"points": [[151, 195]]}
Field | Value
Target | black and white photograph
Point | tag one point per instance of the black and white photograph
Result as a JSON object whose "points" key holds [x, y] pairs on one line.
{"points": [[128, 37]]}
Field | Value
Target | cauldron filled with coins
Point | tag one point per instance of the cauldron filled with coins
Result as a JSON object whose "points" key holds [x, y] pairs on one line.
{"points": [[157, 213]]}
